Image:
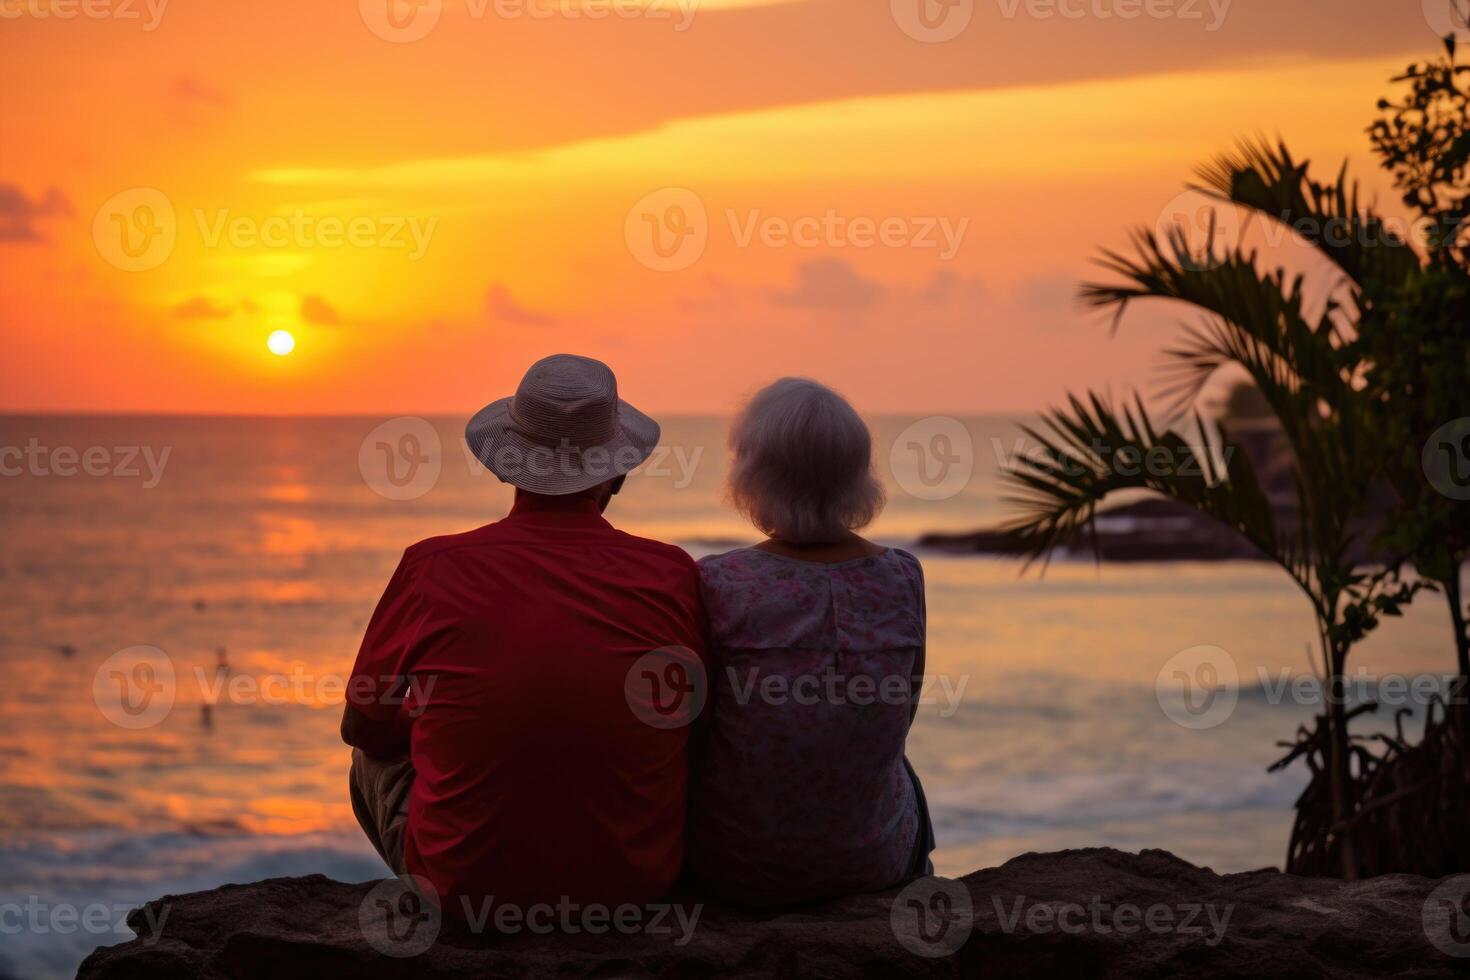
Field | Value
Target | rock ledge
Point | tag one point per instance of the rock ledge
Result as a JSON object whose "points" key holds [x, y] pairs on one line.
{"points": [[1095, 912]]}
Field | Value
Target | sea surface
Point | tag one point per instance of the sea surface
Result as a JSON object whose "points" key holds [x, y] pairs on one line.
{"points": [[252, 551]]}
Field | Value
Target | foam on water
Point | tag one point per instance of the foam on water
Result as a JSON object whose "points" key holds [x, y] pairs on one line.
{"points": [[61, 898]]}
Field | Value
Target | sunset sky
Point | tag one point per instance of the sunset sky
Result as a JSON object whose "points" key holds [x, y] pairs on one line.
{"points": [[859, 196]]}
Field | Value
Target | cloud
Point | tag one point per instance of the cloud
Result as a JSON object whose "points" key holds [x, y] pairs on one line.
{"points": [[710, 293], [946, 287], [1054, 292], [190, 90], [871, 59], [19, 214], [201, 308], [316, 310], [829, 284], [502, 306]]}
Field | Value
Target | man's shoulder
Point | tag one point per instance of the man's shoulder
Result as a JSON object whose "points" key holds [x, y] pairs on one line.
{"points": [[440, 543], [661, 549], [499, 533]]}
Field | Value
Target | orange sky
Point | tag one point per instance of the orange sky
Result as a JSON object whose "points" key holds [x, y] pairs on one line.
{"points": [[904, 218]]}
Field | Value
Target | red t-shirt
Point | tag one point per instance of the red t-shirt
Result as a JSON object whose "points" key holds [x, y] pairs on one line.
{"points": [[537, 780]]}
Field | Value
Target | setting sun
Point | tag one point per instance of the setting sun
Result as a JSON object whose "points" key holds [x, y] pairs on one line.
{"points": [[281, 343]]}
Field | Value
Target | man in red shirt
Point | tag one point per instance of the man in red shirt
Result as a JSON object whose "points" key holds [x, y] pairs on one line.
{"points": [[519, 707]]}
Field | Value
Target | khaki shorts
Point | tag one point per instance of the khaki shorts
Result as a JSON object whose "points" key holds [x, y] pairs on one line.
{"points": [[379, 790]]}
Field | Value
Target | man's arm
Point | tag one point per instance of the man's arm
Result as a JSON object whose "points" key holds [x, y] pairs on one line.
{"points": [[371, 719], [382, 739]]}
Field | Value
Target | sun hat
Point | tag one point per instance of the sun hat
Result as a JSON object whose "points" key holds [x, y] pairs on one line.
{"points": [[563, 431]]}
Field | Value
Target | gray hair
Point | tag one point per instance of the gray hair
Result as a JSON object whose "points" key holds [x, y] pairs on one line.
{"points": [[803, 468]]}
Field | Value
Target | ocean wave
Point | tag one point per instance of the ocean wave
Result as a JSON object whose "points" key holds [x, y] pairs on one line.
{"points": [[1012, 805], [110, 872]]}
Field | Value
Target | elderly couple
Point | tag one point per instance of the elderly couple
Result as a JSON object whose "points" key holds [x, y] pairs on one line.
{"points": [[499, 709]]}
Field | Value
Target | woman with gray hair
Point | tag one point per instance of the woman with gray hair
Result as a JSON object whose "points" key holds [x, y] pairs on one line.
{"points": [[800, 789]]}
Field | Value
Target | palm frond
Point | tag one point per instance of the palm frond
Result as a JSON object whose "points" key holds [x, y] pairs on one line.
{"points": [[1273, 336], [1265, 178], [1089, 451]]}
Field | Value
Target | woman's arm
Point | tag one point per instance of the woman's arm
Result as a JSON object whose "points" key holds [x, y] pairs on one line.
{"points": [[916, 679]]}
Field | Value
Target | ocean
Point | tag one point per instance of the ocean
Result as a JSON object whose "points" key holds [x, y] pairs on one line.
{"points": [[252, 550]]}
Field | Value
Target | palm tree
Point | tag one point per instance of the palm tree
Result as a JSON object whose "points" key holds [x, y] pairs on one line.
{"points": [[1092, 450], [1414, 338], [1345, 388]]}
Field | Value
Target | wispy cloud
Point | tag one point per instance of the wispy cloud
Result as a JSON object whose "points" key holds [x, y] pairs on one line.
{"points": [[201, 308], [191, 90], [21, 215], [947, 287], [318, 311], [829, 284], [1053, 292], [501, 305]]}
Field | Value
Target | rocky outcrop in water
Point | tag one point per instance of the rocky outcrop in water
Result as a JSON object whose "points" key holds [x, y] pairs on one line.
{"points": [[1147, 530]]}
